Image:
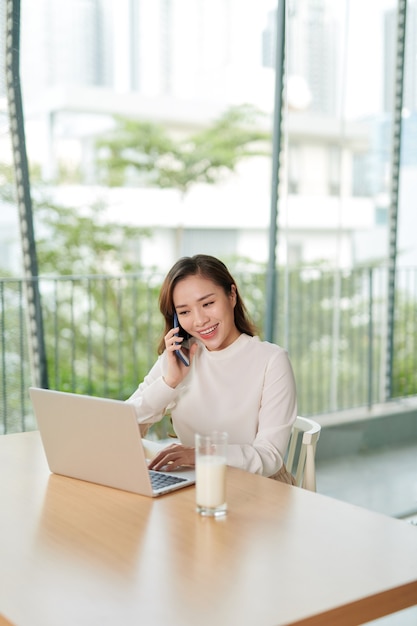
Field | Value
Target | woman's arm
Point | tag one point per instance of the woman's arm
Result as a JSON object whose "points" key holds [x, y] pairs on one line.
{"points": [[160, 387], [153, 395], [277, 413]]}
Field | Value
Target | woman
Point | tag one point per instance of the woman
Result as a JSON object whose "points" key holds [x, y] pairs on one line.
{"points": [[234, 382]]}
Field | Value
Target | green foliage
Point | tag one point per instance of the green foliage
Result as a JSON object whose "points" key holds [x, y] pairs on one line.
{"points": [[178, 163], [81, 240], [95, 320], [91, 335], [404, 380], [96, 329], [7, 187], [327, 331]]}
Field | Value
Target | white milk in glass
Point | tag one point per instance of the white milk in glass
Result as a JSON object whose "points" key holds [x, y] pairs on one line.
{"points": [[211, 481]]}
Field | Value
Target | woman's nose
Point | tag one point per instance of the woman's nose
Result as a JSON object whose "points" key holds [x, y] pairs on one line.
{"points": [[200, 317]]}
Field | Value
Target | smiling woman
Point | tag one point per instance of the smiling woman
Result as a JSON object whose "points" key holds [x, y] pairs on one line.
{"points": [[234, 381]]}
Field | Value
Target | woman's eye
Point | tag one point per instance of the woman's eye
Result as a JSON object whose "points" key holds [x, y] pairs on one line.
{"points": [[208, 303]]}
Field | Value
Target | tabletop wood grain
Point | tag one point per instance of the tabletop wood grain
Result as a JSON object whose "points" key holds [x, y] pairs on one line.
{"points": [[74, 553]]}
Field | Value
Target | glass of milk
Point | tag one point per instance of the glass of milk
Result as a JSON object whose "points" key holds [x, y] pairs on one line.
{"points": [[210, 466]]}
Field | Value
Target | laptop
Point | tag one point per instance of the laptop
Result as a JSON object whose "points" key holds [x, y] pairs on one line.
{"points": [[98, 440]]}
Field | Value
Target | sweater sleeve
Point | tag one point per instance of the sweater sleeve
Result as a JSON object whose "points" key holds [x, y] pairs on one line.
{"points": [[153, 396], [277, 414]]}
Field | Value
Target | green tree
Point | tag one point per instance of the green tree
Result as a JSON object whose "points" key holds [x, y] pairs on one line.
{"points": [[91, 335], [159, 159], [81, 240]]}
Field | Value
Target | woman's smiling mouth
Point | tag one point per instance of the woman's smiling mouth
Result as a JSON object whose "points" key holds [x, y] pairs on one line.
{"points": [[208, 332]]}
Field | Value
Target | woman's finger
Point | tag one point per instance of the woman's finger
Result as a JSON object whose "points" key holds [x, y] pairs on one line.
{"points": [[172, 341], [163, 457]]}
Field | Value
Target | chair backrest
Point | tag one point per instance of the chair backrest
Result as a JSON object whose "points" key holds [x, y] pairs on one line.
{"points": [[301, 455]]}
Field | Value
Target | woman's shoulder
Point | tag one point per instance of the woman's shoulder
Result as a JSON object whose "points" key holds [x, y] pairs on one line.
{"points": [[265, 347], [245, 347]]}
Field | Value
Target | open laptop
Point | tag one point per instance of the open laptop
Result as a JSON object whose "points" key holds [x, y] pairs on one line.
{"points": [[98, 440]]}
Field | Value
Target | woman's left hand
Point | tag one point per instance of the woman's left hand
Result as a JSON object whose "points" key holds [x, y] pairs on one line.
{"points": [[173, 457]]}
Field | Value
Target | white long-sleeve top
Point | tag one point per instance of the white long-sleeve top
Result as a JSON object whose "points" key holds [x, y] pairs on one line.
{"points": [[246, 389]]}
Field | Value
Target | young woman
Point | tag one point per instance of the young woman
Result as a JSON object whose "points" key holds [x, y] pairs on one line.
{"points": [[234, 382]]}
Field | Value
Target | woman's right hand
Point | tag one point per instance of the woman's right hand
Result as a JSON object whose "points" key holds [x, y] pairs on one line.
{"points": [[177, 370]]}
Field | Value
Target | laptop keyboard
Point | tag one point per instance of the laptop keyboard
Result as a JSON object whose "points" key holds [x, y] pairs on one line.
{"points": [[159, 479]]}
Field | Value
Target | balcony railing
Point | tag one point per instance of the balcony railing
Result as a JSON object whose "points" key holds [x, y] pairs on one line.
{"points": [[101, 334]]}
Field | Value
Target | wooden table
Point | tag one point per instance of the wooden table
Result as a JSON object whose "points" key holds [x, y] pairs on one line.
{"points": [[73, 553]]}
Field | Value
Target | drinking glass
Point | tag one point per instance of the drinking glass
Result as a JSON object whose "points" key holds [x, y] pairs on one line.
{"points": [[210, 464]]}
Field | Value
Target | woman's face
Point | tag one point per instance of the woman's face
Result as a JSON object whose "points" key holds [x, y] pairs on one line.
{"points": [[206, 312]]}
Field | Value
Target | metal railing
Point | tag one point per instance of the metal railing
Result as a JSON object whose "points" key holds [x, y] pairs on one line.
{"points": [[101, 334]]}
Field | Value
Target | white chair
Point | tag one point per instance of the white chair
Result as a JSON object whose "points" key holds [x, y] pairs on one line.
{"points": [[304, 437]]}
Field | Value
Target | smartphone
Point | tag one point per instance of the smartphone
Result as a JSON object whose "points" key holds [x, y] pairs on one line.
{"points": [[180, 354]]}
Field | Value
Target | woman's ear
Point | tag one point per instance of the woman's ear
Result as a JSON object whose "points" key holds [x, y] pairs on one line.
{"points": [[233, 294]]}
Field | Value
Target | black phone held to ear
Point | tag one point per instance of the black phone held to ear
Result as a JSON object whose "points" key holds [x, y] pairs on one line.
{"points": [[180, 354]]}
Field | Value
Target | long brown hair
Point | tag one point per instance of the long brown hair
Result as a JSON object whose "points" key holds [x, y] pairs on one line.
{"points": [[208, 267]]}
